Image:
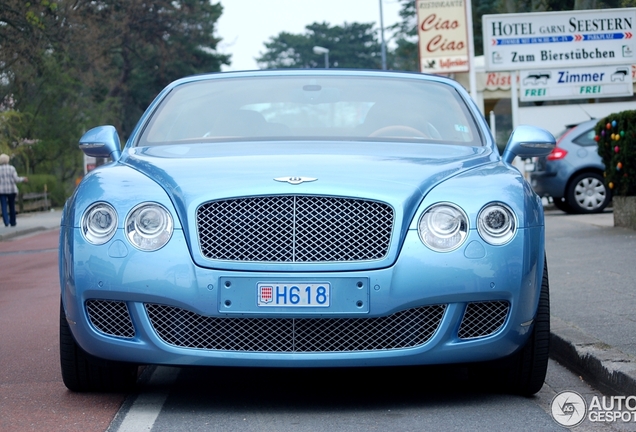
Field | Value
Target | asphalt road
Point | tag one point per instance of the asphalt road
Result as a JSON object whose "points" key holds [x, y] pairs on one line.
{"points": [[391, 399]]}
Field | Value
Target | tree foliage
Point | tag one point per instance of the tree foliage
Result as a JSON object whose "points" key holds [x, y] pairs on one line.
{"points": [[68, 65], [352, 45]]}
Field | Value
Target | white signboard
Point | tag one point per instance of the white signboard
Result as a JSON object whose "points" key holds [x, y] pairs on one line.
{"points": [[443, 36], [559, 39], [576, 83]]}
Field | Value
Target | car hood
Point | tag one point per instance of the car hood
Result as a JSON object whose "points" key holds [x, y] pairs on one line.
{"points": [[393, 173]]}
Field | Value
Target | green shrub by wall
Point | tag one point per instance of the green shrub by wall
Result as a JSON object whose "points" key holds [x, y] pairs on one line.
{"points": [[616, 137], [38, 182]]}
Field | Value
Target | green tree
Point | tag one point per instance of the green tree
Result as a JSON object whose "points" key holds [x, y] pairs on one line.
{"points": [[352, 45], [145, 45], [72, 64], [405, 56]]}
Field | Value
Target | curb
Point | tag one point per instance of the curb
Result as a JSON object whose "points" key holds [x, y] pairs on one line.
{"points": [[608, 369]]}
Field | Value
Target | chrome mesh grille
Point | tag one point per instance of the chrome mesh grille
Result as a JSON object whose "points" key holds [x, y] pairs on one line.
{"points": [[483, 319], [294, 229], [187, 329], [110, 317]]}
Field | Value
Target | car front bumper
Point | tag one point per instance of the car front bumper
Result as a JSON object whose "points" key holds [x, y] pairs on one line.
{"points": [[159, 308]]}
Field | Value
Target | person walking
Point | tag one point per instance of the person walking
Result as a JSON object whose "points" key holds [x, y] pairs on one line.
{"points": [[8, 189]]}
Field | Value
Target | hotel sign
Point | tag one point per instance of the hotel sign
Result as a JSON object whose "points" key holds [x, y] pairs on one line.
{"points": [[559, 39], [443, 36]]}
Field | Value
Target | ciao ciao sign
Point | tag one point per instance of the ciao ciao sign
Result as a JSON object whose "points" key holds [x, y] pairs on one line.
{"points": [[443, 36]]}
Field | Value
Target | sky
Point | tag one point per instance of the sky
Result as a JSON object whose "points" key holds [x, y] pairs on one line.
{"points": [[246, 25]]}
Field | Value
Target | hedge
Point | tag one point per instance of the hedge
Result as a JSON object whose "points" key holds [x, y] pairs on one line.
{"points": [[38, 183], [616, 137]]}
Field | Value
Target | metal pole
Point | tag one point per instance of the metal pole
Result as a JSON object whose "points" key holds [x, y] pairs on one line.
{"points": [[327, 60], [382, 37], [514, 99], [493, 126], [472, 74]]}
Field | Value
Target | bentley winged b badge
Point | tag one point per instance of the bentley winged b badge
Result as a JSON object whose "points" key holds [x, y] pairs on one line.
{"points": [[295, 180]]}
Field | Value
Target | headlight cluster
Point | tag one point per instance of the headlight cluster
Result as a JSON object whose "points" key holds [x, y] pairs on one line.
{"points": [[496, 224], [147, 227], [99, 223], [443, 227]]}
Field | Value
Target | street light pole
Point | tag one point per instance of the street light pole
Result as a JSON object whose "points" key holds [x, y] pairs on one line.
{"points": [[325, 51], [382, 37]]}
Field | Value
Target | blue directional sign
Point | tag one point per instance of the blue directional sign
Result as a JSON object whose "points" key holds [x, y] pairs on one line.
{"points": [[557, 39]]}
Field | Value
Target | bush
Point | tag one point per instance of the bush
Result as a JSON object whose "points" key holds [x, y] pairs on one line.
{"points": [[616, 137], [38, 183]]}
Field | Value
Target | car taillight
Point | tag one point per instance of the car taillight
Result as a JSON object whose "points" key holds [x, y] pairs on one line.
{"points": [[557, 153]]}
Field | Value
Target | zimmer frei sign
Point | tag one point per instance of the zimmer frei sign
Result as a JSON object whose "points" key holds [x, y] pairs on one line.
{"points": [[576, 83], [443, 36], [559, 39]]}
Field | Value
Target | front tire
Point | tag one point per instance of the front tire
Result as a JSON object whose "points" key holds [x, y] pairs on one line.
{"points": [[562, 205], [81, 372], [528, 367], [588, 193]]}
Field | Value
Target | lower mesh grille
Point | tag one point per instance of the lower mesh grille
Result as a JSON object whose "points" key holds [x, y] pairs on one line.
{"points": [[110, 317], [187, 329], [483, 319]]}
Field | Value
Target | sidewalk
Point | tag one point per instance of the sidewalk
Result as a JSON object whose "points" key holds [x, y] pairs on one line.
{"points": [[28, 223], [592, 268]]}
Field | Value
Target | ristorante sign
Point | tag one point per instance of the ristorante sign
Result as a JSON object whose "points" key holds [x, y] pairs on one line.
{"points": [[443, 37], [559, 39]]}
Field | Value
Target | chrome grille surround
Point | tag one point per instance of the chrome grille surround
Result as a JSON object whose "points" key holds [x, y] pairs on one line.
{"points": [[483, 319], [111, 318], [404, 329], [294, 228]]}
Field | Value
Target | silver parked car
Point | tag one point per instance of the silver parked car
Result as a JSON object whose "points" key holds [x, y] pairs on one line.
{"points": [[573, 173]]}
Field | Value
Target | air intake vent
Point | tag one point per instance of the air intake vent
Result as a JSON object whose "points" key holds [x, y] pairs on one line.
{"points": [[405, 329], [111, 318], [483, 319]]}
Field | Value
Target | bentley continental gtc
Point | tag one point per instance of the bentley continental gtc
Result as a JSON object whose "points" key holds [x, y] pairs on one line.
{"points": [[312, 218]]}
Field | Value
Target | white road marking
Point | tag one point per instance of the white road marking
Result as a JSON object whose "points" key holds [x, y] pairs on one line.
{"points": [[144, 411]]}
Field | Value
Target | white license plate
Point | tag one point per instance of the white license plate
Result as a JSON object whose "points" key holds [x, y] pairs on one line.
{"points": [[294, 294]]}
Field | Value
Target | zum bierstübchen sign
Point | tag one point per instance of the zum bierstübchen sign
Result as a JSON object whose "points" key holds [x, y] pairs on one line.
{"points": [[559, 39]]}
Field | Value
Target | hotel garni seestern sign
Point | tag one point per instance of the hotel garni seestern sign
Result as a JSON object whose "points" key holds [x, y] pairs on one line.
{"points": [[559, 39], [443, 36]]}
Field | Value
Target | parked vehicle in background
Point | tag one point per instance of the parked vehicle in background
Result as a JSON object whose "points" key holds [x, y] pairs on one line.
{"points": [[573, 173]]}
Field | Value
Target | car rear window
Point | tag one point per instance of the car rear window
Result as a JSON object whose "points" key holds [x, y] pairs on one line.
{"points": [[312, 108], [586, 139]]}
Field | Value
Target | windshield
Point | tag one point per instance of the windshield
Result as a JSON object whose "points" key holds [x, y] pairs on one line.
{"points": [[311, 108]]}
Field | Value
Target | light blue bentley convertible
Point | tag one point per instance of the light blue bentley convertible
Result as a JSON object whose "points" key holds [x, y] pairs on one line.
{"points": [[314, 218]]}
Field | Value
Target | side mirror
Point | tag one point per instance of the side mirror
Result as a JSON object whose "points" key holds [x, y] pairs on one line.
{"points": [[102, 142], [527, 142]]}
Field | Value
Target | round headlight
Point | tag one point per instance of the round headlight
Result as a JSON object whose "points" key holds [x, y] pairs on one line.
{"points": [[99, 223], [443, 227], [149, 226], [496, 224]]}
